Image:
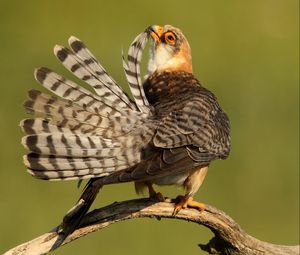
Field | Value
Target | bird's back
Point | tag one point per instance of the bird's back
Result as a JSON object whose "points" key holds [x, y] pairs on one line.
{"points": [[189, 114]]}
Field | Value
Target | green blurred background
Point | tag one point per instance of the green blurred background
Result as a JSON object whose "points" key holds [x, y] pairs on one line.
{"points": [[246, 52]]}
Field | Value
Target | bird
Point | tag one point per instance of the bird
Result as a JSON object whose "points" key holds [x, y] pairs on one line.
{"points": [[167, 134]]}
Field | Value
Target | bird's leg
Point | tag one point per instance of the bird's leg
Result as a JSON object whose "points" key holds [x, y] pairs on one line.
{"points": [[183, 202], [153, 194]]}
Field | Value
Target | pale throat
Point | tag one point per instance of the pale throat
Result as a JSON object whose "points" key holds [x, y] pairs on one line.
{"points": [[163, 59]]}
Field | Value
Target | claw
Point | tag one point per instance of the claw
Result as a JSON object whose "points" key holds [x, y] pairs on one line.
{"points": [[183, 202]]}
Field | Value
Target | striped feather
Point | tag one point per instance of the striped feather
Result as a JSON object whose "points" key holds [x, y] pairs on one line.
{"points": [[85, 66], [132, 72], [40, 125], [71, 91], [71, 145], [84, 135], [90, 60], [64, 114], [70, 175], [58, 163], [49, 126], [72, 154]]}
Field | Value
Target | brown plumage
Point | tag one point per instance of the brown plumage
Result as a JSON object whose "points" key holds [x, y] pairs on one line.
{"points": [[168, 136], [192, 129]]}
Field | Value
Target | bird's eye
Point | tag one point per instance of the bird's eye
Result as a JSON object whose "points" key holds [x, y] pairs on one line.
{"points": [[170, 38]]}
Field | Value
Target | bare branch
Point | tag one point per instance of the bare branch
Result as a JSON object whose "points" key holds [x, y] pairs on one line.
{"points": [[229, 237]]}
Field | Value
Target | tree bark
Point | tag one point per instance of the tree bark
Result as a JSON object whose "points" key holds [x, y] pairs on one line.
{"points": [[229, 237]]}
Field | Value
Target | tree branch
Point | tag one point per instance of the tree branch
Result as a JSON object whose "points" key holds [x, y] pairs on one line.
{"points": [[229, 237]]}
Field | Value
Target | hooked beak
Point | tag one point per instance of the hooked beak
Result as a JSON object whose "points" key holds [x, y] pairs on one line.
{"points": [[155, 32]]}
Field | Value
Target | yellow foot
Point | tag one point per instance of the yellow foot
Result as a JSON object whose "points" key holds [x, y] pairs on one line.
{"points": [[183, 202]]}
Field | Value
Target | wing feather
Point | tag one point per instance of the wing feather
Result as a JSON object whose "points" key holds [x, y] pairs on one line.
{"points": [[206, 128]]}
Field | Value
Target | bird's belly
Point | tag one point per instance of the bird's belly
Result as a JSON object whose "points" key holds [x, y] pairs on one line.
{"points": [[172, 179]]}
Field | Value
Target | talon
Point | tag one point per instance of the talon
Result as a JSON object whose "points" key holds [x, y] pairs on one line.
{"points": [[179, 204], [183, 202]]}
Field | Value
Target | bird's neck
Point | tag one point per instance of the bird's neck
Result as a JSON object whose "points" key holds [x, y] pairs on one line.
{"points": [[171, 65], [163, 60], [168, 85]]}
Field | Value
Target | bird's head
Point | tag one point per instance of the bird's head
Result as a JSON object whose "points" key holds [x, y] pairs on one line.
{"points": [[169, 50]]}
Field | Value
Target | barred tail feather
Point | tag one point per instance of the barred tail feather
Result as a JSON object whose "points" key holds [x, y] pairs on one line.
{"points": [[59, 163], [69, 175], [83, 53], [64, 114], [80, 134], [84, 70], [70, 145], [48, 126], [132, 72], [60, 156], [69, 90], [72, 168]]}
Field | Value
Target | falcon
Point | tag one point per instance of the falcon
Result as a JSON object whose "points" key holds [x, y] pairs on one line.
{"points": [[168, 134]]}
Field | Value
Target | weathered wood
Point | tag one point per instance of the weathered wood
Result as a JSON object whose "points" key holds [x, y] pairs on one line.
{"points": [[229, 237]]}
